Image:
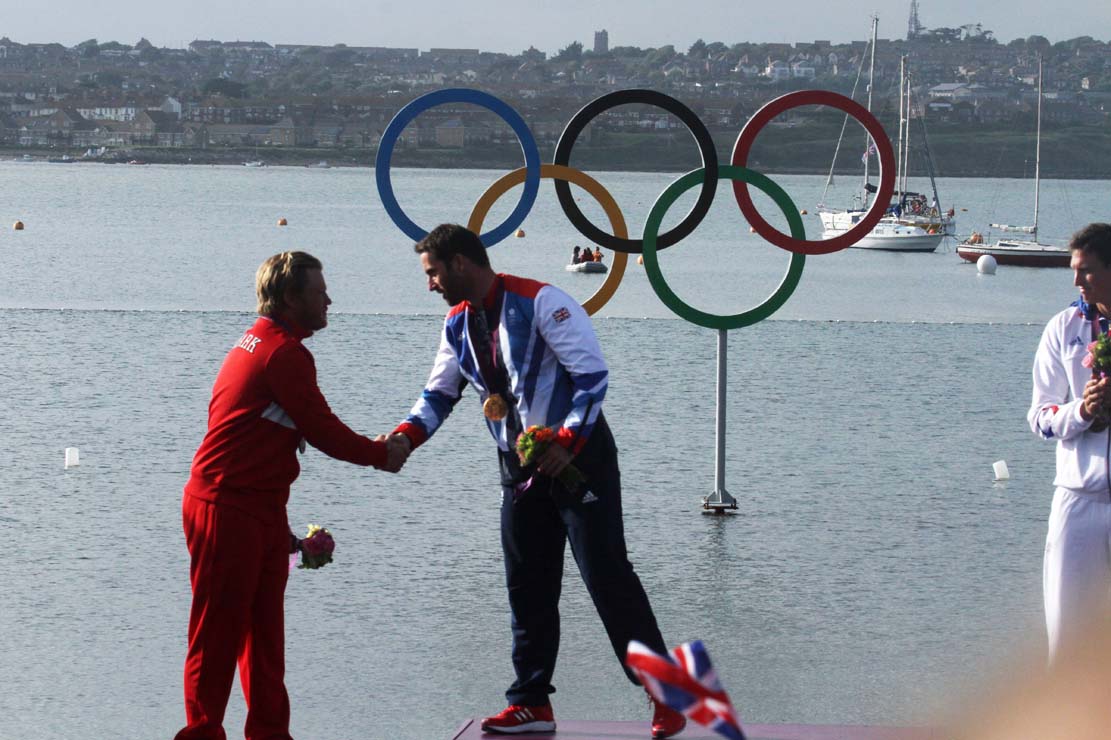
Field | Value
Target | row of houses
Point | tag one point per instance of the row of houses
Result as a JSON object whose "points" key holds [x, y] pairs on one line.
{"points": [[361, 126], [68, 128], [976, 103]]}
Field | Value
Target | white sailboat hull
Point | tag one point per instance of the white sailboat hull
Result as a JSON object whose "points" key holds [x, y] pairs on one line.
{"points": [[909, 243], [889, 235], [843, 220]]}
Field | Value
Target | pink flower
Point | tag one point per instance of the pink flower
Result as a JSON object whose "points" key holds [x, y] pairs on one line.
{"points": [[1088, 359]]}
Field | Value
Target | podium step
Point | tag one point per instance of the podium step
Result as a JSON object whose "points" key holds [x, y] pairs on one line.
{"points": [[590, 730]]}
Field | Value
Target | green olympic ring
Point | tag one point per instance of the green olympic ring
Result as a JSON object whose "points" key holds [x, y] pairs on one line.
{"points": [[722, 321]]}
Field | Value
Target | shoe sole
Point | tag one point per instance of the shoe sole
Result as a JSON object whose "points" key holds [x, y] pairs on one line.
{"points": [[537, 726]]}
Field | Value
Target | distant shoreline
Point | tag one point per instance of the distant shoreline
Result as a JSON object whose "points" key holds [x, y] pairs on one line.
{"points": [[784, 160]]}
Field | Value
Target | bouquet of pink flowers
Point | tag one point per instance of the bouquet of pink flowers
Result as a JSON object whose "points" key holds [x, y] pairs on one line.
{"points": [[317, 548], [1099, 356], [533, 442]]}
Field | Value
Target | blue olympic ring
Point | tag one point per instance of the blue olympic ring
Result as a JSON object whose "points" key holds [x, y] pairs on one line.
{"points": [[458, 95]]}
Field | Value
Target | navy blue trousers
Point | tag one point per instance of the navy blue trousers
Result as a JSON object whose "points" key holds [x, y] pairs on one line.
{"points": [[535, 527]]}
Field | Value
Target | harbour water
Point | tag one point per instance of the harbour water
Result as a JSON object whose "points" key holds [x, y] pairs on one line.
{"points": [[875, 572]]}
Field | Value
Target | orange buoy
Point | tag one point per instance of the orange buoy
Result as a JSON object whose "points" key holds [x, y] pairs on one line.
{"points": [[520, 233], [803, 211], [17, 226], [752, 229], [640, 259], [282, 221]]}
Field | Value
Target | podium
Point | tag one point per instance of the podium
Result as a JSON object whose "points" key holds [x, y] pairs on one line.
{"points": [[595, 730]]}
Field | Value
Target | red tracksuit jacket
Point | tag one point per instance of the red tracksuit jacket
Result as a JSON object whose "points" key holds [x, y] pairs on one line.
{"points": [[264, 402]]}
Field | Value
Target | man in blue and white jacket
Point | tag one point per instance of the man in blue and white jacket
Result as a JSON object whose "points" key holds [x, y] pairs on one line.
{"points": [[531, 353], [1071, 404]]}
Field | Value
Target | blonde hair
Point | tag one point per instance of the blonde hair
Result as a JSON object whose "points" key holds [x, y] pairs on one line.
{"points": [[281, 273]]}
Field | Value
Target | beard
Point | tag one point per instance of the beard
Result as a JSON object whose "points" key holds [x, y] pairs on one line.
{"points": [[451, 287]]}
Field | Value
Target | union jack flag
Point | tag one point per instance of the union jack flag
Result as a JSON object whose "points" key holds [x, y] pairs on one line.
{"points": [[869, 151], [686, 681]]}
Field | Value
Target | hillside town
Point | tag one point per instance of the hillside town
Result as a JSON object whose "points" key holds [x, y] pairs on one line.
{"points": [[117, 98]]}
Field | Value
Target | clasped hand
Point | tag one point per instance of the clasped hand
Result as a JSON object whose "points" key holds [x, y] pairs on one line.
{"points": [[398, 448]]}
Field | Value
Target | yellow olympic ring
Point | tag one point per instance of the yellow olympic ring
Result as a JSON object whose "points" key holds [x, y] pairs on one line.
{"points": [[589, 184]]}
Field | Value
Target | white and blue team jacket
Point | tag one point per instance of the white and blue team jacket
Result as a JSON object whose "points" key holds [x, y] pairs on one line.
{"points": [[1059, 380], [554, 362]]}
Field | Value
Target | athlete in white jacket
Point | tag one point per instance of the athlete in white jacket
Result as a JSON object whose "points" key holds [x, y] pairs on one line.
{"points": [[1070, 404]]}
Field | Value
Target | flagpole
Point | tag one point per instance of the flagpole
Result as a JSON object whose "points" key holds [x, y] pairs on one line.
{"points": [[720, 500]]}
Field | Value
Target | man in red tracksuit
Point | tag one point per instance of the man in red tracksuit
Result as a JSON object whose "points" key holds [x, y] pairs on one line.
{"points": [[265, 405]]}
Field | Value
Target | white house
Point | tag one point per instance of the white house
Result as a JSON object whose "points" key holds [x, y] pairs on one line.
{"points": [[777, 70]]}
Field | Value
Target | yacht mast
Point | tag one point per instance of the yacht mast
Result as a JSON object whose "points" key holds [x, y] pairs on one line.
{"points": [[871, 79], [1033, 230], [929, 159], [906, 133], [1038, 151], [899, 173]]}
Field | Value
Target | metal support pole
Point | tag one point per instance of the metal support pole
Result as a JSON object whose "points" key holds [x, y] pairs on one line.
{"points": [[720, 500]]}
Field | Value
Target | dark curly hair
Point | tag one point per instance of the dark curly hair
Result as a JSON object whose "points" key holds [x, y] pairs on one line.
{"points": [[447, 240]]}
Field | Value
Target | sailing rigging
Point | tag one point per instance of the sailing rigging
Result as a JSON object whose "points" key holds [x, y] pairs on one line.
{"points": [[1025, 252], [912, 223]]}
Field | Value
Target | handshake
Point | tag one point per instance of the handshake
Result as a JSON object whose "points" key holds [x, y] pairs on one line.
{"points": [[398, 449]]}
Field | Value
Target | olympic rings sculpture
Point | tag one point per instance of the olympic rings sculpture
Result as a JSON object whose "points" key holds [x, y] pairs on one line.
{"points": [[707, 177]]}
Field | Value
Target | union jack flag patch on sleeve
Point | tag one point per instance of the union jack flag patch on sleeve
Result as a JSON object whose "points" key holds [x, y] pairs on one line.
{"points": [[561, 314]]}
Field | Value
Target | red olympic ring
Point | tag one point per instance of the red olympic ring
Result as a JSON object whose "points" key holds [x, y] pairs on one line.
{"points": [[887, 171]]}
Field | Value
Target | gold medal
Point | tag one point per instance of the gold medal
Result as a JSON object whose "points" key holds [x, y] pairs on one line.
{"points": [[494, 407]]}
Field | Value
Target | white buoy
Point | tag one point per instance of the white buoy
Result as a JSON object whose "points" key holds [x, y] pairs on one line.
{"points": [[73, 458], [986, 264], [1000, 468]]}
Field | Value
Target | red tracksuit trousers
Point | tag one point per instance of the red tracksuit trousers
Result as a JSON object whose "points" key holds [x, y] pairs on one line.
{"points": [[239, 565]]}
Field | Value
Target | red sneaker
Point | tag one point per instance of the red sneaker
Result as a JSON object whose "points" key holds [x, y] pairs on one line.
{"points": [[516, 718], [666, 721]]}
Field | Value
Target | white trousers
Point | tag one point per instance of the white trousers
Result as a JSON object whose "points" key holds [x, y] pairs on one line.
{"points": [[1076, 573]]}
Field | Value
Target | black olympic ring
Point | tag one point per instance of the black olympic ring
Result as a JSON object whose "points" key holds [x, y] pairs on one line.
{"points": [[705, 147]]}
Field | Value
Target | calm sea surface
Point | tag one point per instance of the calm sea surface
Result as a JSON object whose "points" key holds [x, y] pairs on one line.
{"points": [[874, 571]]}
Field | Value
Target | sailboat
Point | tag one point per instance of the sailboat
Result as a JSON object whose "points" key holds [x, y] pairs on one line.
{"points": [[1023, 252], [912, 223]]}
